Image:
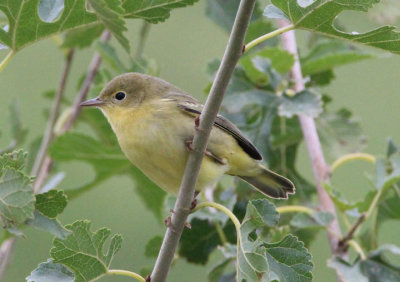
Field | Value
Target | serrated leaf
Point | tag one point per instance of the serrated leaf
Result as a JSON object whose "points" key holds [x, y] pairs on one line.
{"points": [[321, 14], [110, 14], [153, 11], [25, 25], [340, 133], [330, 54], [50, 225], [261, 212], [315, 220], [51, 203], [15, 160], [82, 251], [17, 201], [289, 260], [153, 247], [82, 37], [50, 272], [206, 238], [306, 102]]}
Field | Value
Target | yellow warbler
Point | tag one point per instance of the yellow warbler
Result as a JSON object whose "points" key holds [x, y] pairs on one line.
{"points": [[155, 123]]}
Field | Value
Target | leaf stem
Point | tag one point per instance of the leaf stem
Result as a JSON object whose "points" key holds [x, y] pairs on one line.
{"points": [[351, 157], [343, 243], [274, 33], [6, 60], [233, 52], [220, 232], [126, 273], [357, 248], [144, 32], [286, 209]]}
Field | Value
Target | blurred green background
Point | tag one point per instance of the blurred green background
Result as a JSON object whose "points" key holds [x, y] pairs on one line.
{"points": [[182, 46]]}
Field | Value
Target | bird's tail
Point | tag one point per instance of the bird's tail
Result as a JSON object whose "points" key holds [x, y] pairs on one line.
{"points": [[271, 183]]}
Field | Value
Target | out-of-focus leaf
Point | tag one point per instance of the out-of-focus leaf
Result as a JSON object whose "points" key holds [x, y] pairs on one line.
{"points": [[389, 208], [206, 238], [153, 247], [391, 149], [49, 10], [51, 203], [289, 260], [26, 26], [17, 131], [321, 78], [48, 224], [346, 271], [320, 16], [83, 36], [110, 14], [216, 273], [109, 54], [386, 179], [17, 201], [316, 220], [50, 272], [258, 28], [223, 12], [86, 258], [340, 203], [331, 54], [305, 102], [387, 12], [340, 133], [153, 11]]}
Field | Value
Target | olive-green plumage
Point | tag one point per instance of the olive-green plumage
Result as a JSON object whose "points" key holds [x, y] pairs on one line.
{"points": [[154, 124]]}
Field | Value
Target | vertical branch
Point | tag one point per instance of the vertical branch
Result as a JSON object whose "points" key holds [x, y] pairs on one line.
{"points": [[320, 169], [232, 54]]}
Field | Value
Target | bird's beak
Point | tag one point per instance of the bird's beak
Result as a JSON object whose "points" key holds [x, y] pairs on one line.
{"points": [[95, 102]]}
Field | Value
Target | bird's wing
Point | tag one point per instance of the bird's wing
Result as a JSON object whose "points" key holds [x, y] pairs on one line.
{"points": [[191, 106]]}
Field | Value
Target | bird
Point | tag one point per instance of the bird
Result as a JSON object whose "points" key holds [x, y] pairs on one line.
{"points": [[154, 122]]}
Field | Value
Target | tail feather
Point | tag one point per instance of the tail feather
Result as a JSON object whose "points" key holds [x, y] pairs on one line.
{"points": [[271, 184]]}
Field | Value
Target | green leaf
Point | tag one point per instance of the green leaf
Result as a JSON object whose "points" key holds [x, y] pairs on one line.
{"points": [[17, 131], [15, 160], [216, 273], [82, 37], [110, 14], [331, 54], [261, 212], [153, 11], [340, 203], [153, 247], [306, 102], [17, 201], [109, 55], [321, 14], [51, 203], [206, 240], [321, 78], [386, 179], [340, 133], [82, 251], [25, 25], [316, 220], [289, 260], [52, 226], [258, 28], [50, 272], [346, 270]]}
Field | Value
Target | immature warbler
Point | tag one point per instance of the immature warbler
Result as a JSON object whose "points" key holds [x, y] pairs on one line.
{"points": [[155, 123]]}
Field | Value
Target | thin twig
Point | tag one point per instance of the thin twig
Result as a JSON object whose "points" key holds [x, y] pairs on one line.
{"points": [[320, 169], [343, 243], [144, 31], [55, 111], [6, 251], [185, 196]]}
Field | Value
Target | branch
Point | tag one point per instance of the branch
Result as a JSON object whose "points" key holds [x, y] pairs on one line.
{"points": [[185, 196], [320, 169], [6, 250], [344, 242]]}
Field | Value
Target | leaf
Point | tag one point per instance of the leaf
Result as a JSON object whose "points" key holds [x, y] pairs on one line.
{"points": [[82, 251], [15, 160], [82, 37], [306, 102], [217, 271], [258, 28], [197, 243], [340, 203], [316, 220], [386, 179], [17, 131], [153, 11], [109, 54], [52, 226], [346, 271], [223, 12], [289, 260], [17, 201], [110, 14], [153, 246], [321, 14], [50, 272], [340, 133], [26, 26], [331, 54], [51, 203], [261, 212]]}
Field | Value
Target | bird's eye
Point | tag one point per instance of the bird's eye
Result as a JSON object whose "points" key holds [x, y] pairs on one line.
{"points": [[120, 96]]}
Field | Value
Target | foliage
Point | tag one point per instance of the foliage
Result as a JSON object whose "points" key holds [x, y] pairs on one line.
{"points": [[271, 239]]}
